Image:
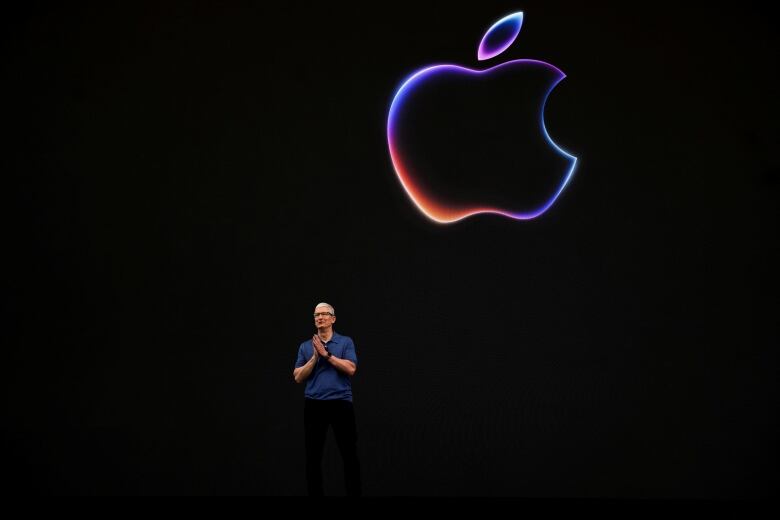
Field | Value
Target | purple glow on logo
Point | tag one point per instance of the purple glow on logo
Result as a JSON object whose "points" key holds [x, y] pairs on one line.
{"points": [[496, 39], [427, 202]]}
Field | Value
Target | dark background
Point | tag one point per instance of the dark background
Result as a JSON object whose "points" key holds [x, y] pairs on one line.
{"points": [[186, 181]]}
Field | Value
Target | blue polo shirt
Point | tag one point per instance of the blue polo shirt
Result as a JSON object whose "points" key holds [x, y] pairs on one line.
{"points": [[325, 382]]}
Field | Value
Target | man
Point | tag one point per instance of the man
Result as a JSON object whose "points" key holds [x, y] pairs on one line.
{"points": [[326, 362]]}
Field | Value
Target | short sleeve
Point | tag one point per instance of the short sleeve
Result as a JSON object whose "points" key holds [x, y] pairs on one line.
{"points": [[301, 356], [349, 352]]}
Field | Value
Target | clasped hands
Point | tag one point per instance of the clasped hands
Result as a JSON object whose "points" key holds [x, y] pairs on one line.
{"points": [[319, 347]]}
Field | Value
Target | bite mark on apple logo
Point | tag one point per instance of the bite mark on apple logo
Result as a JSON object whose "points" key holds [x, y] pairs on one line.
{"points": [[416, 172]]}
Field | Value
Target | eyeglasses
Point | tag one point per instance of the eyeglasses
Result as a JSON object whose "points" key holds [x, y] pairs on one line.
{"points": [[323, 314]]}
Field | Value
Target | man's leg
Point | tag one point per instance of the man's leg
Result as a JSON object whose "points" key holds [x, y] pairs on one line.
{"points": [[346, 437], [315, 425]]}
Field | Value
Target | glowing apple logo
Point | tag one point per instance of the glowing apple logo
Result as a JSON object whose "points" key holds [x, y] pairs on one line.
{"points": [[466, 141]]}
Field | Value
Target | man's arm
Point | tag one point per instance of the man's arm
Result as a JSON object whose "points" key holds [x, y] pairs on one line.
{"points": [[344, 365], [303, 372]]}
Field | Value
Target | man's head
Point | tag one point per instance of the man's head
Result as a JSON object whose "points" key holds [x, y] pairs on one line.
{"points": [[324, 315]]}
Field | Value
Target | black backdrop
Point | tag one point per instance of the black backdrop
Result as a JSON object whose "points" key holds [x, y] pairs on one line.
{"points": [[188, 180]]}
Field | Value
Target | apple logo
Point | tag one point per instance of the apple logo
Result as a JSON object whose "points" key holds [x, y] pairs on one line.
{"points": [[465, 141]]}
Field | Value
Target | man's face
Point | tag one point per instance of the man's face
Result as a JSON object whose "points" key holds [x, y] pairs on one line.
{"points": [[323, 317]]}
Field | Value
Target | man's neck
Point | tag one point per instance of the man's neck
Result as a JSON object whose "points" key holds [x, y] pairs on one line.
{"points": [[325, 334]]}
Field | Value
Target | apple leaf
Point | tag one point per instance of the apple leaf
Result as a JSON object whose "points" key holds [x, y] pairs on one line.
{"points": [[500, 36]]}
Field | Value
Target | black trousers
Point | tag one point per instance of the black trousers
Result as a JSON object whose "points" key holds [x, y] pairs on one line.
{"points": [[317, 416]]}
